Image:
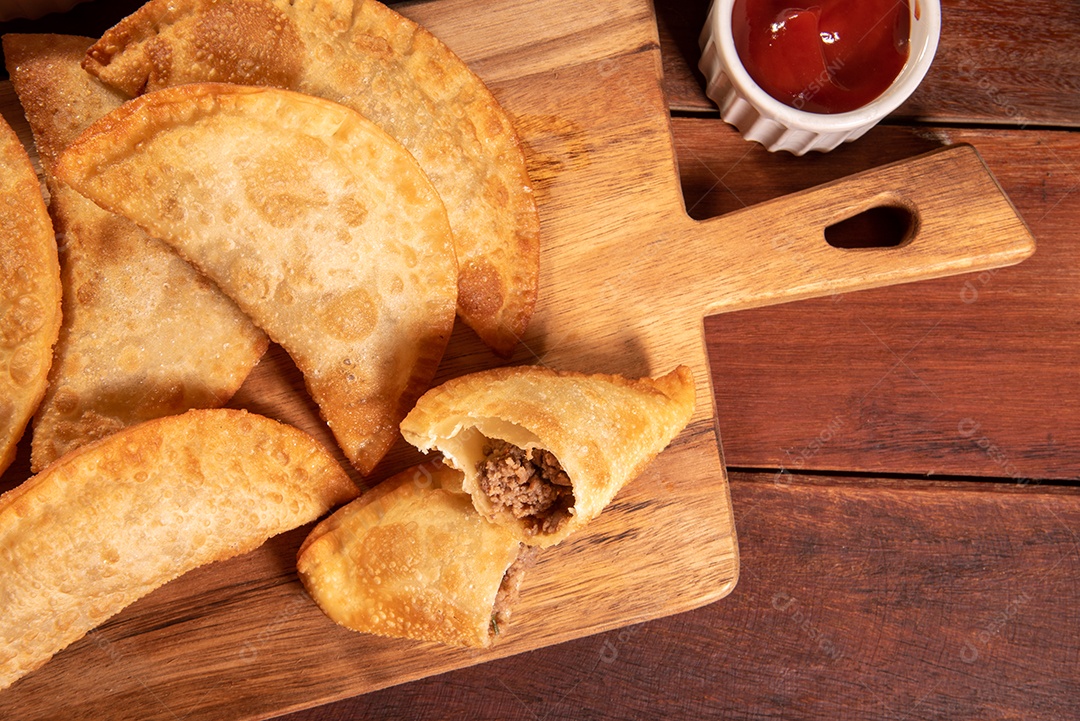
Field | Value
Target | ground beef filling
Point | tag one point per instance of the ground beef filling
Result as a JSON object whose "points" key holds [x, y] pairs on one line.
{"points": [[529, 483], [510, 588]]}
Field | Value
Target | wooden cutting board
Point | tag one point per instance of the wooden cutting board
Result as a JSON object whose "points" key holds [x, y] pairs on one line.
{"points": [[627, 277]]}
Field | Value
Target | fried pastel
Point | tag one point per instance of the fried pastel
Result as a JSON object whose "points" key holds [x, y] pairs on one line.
{"points": [[29, 293], [320, 226], [366, 56], [544, 451], [110, 522], [413, 559], [144, 335]]}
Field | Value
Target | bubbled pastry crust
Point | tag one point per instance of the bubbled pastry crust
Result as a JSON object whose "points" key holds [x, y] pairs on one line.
{"points": [[322, 229], [144, 334], [410, 559], [603, 429], [29, 293], [362, 54], [114, 520]]}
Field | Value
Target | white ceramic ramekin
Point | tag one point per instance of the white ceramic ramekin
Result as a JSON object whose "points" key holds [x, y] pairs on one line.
{"points": [[764, 119]]}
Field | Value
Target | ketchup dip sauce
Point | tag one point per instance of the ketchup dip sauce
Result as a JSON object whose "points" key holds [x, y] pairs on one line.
{"points": [[808, 75], [832, 56]]}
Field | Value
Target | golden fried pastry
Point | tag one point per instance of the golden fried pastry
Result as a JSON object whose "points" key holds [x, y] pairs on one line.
{"points": [[112, 521], [29, 293], [413, 559], [366, 56], [543, 451], [320, 226], [144, 335]]}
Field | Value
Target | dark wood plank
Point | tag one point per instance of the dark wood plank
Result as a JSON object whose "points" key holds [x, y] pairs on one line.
{"points": [[969, 375], [623, 572], [998, 65], [89, 19], [945, 601], [922, 602], [679, 23], [994, 64]]}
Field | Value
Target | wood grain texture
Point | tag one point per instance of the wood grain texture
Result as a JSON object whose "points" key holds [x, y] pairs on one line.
{"points": [[993, 64], [974, 375], [241, 638], [858, 600], [261, 640]]}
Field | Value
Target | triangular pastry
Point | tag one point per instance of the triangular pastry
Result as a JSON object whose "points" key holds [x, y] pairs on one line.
{"points": [[413, 559], [544, 451]]}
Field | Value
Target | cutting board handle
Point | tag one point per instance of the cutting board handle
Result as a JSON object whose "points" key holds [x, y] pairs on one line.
{"points": [[961, 221]]}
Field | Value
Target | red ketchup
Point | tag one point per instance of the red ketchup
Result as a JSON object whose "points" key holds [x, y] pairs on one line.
{"points": [[829, 57]]}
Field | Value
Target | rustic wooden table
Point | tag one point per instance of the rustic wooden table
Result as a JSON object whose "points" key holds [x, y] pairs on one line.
{"points": [[902, 460]]}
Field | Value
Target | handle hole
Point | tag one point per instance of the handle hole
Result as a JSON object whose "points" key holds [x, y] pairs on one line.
{"points": [[883, 226]]}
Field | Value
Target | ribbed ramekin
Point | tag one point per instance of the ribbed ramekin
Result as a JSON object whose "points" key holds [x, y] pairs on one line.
{"points": [[764, 119]]}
